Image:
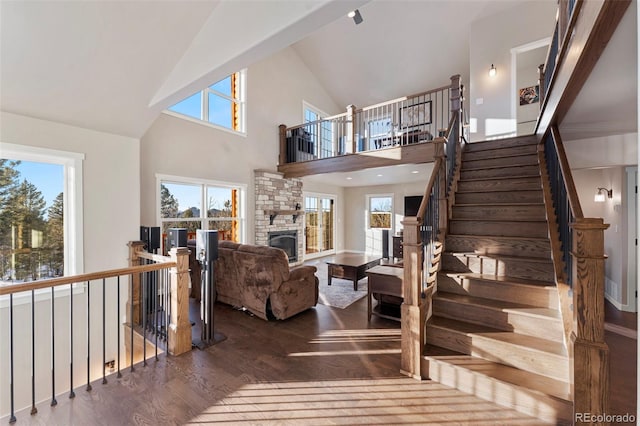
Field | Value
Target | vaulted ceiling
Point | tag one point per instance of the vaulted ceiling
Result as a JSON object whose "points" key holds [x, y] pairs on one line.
{"points": [[113, 66]]}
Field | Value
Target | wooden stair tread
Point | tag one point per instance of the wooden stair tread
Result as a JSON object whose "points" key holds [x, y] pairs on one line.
{"points": [[504, 373], [501, 178], [502, 257], [501, 279], [491, 167], [498, 204], [502, 306], [531, 343], [508, 238]]}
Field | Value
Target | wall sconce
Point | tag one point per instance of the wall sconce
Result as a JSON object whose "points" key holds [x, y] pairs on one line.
{"points": [[355, 14], [492, 71], [600, 195]]}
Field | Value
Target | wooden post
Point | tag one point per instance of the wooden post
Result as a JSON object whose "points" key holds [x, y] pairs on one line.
{"points": [[456, 95], [135, 247], [541, 89], [438, 145], [591, 353], [352, 130], [282, 159], [412, 333], [179, 326]]}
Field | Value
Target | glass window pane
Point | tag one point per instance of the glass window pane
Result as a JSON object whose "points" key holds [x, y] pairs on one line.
{"points": [[223, 86], [220, 111], [220, 202], [380, 209], [227, 229], [192, 106], [180, 200], [32, 219]]}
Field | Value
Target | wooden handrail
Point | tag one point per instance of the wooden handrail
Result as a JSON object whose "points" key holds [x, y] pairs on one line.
{"points": [[74, 279], [572, 193], [322, 120], [432, 180], [158, 258]]}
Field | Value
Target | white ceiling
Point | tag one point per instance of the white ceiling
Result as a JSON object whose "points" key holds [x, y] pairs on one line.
{"points": [[405, 173], [113, 66]]}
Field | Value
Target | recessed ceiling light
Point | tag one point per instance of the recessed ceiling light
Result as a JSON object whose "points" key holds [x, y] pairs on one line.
{"points": [[355, 15], [415, 171], [379, 175], [349, 178]]}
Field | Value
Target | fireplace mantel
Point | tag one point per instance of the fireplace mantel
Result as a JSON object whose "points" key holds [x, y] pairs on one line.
{"points": [[274, 213]]}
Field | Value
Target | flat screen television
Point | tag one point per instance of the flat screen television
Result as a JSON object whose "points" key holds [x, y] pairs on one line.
{"points": [[412, 205]]}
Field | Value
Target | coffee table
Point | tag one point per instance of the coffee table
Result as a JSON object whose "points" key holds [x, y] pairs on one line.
{"points": [[351, 266]]}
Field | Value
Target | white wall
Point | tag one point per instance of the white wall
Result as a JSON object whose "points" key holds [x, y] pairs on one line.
{"points": [[491, 41], [276, 88], [357, 237], [111, 214], [600, 162]]}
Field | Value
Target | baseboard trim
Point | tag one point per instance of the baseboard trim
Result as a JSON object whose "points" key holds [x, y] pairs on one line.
{"points": [[623, 331]]}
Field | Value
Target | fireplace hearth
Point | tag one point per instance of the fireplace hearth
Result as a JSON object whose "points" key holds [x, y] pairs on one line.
{"points": [[287, 241]]}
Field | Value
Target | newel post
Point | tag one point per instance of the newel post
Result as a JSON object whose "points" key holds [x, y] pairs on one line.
{"points": [[591, 353], [282, 159], [439, 153], [412, 333], [133, 303], [542, 89], [179, 326], [352, 128]]}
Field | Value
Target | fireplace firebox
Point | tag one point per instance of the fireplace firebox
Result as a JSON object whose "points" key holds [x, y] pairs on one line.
{"points": [[287, 241]]}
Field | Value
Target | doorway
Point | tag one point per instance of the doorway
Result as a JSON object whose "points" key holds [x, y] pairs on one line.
{"points": [[319, 229]]}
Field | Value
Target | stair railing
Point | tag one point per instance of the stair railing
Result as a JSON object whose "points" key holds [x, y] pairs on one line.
{"points": [[578, 255], [68, 331], [423, 237]]}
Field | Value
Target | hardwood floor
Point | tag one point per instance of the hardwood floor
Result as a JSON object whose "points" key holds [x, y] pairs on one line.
{"points": [[324, 366]]}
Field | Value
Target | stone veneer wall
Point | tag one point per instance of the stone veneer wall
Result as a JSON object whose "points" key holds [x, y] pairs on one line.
{"points": [[274, 192]]}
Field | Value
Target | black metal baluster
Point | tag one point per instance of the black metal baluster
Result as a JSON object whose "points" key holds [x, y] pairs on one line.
{"points": [[72, 394], [143, 295], [54, 402], [12, 418], [168, 316], [155, 314], [34, 410], [88, 336], [104, 336], [119, 375], [131, 319]]}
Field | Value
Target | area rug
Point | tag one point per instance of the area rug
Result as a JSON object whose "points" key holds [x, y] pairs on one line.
{"points": [[340, 293]]}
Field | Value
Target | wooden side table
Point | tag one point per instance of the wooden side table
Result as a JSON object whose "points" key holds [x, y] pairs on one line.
{"points": [[384, 280]]}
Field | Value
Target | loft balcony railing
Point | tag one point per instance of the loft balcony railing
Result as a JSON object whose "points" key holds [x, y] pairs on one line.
{"points": [[408, 120], [64, 333]]}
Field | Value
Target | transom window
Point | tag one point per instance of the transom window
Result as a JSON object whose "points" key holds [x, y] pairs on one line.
{"points": [[221, 104]]}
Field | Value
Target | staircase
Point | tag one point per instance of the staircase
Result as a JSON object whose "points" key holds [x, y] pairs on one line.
{"points": [[496, 330]]}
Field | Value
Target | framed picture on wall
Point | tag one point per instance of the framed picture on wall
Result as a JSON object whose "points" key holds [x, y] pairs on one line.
{"points": [[530, 95], [415, 115]]}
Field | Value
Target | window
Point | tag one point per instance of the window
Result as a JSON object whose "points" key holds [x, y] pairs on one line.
{"points": [[40, 213], [221, 104], [380, 211], [182, 201], [321, 132]]}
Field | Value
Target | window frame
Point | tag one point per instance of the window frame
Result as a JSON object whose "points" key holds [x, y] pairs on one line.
{"points": [[203, 219], [204, 106], [369, 211]]}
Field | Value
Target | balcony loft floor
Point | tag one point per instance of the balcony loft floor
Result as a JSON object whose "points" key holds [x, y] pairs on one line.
{"points": [[416, 153]]}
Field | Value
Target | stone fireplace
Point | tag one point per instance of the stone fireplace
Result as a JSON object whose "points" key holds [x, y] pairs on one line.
{"points": [[279, 209]]}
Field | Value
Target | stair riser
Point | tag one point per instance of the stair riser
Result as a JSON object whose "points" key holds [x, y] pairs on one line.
{"points": [[546, 364], [521, 399], [499, 197], [499, 246], [511, 320], [501, 152], [496, 172], [543, 297], [521, 160], [541, 271], [499, 143], [536, 212], [517, 184], [500, 229]]}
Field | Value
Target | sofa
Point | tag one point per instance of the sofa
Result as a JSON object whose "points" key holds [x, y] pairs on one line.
{"points": [[259, 279]]}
